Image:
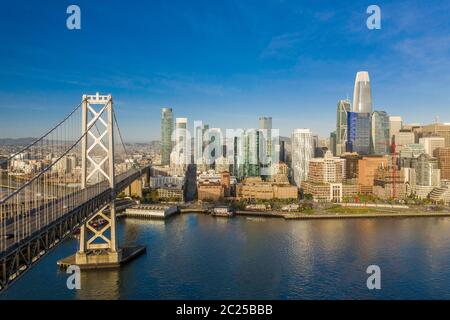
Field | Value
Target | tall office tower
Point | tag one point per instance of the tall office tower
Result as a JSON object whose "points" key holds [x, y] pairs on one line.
{"points": [[432, 143], [380, 133], [214, 149], [438, 129], [443, 157], [358, 132], [302, 152], [282, 151], [166, 135], [395, 125], [362, 96], [265, 125], [343, 107], [198, 143], [333, 138], [181, 154], [246, 154]]}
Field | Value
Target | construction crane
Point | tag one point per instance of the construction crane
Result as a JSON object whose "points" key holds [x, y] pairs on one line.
{"points": [[393, 153]]}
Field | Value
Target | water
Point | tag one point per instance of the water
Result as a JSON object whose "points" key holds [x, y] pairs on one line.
{"points": [[200, 257]]}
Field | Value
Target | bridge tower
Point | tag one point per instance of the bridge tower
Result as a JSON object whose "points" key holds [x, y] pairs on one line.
{"points": [[98, 238]]}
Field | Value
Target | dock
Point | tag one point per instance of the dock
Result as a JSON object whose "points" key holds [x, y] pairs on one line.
{"points": [[150, 211]]}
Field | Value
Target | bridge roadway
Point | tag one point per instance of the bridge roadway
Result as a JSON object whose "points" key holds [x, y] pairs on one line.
{"points": [[46, 231], [38, 218]]}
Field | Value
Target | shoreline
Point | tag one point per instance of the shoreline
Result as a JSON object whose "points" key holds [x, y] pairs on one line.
{"points": [[307, 216]]}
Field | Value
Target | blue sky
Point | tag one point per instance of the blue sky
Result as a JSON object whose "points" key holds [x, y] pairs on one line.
{"points": [[221, 61]]}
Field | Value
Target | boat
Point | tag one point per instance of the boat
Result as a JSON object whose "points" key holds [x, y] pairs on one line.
{"points": [[222, 211]]}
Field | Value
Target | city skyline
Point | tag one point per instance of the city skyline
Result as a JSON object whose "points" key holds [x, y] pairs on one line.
{"points": [[235, 65]]}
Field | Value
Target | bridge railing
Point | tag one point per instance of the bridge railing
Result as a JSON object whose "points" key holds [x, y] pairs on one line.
{"points": [[41, 203]]}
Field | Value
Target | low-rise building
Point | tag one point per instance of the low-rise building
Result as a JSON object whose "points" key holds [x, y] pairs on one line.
{"points": [[256, 188]]}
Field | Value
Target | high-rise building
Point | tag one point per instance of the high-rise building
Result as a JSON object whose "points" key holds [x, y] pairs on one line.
{"points": [[198, 143], [427, 171], [409, 154], [246, 154], [362, 96], [402, 139], [166, 135], [380, 133], [438, 129], [343, 107], [359, 128], [282, 157], [443, 157], [265, 126], [395, 125], [333, 147], [181, 152], [432, 143], [302, 152], [215, 147]]}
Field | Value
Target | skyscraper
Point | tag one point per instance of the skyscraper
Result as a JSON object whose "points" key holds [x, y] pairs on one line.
{"points": [[166, 135], [198, 143], [181, 152], [343, 107], [362, 96], [302, 152], [380, 137], [246, 154], [358, 132], [265, 126], [395, 125], [333, 143]]}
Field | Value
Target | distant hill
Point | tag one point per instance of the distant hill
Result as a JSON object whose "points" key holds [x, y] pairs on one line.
{"points": [[16, 141]]}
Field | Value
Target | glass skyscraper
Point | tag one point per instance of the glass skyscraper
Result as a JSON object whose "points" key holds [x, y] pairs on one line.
{"points": [[380, 137], [343, 107], [265, 126], [246, 154], [302, 152], [166, 135], [359, 128], [362, 96]]}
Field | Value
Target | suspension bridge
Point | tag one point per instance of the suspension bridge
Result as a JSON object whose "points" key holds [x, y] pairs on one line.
{"points": [[65, 181]]}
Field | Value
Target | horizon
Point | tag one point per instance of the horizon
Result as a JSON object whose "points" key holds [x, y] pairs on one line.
{"points": [[224, 63]]}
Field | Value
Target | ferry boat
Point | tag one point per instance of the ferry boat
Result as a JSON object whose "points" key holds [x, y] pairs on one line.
{"points": [[222, 211]]}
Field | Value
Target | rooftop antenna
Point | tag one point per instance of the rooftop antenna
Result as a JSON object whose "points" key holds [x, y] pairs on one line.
{"points": [[437, 120]]}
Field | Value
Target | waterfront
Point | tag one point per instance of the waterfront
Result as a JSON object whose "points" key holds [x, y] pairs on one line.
{"points": [[200, 257]]}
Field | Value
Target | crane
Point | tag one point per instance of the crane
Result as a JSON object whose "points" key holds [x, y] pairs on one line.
{"points": [[393, 152]]}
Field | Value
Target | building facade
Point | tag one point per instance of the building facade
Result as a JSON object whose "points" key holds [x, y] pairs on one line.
{"points": [[443, 157], [362, 95], [166, 135], [380, 137], [359, 129], [343, 107], [302, 152], [432, 143], [395, 125]]}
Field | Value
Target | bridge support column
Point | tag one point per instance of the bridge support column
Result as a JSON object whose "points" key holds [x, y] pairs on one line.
{"points": [[98, 235]]}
